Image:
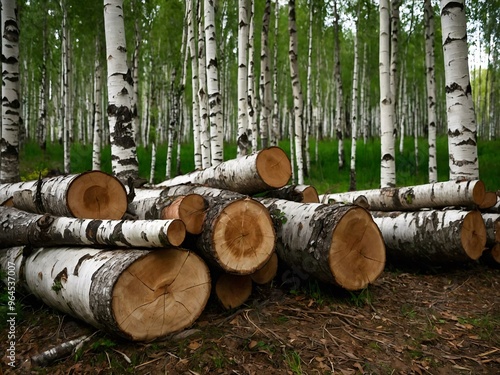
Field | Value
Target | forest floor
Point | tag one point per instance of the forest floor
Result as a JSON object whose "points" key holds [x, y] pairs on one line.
{"points": [[408, 322]]}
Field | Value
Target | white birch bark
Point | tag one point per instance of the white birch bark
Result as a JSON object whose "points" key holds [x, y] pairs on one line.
{"points": [[153, 163], [275, 132], [252, 115], [213, 90], [298, 101], [124, 161], [11, 103], [387, 162], [97, 134], [242, 78], [339, 120], [195, 84], [492, 224], [354, 107], [461, 119], [308, 124], [65, 93], [108, 289], [135, 79], [202, 91], [432, 237], [24, 228], [44, 90], [268, 168], [394, 4], [431, 89], [265, 77], [437, 195]]}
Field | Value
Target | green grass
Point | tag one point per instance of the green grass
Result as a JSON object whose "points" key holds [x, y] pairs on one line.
{"points": [[324, 174]]}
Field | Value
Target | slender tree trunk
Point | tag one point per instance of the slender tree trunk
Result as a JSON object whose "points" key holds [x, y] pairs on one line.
{"points": [[66, 70], [97, 138], [265, 77], [214, 94], [124, 161], [252, 115], [9, 141], [388, 162], [298, 101], [339, 122], [431, 89], [275, 132], [44, 90], [202, 92], [242, 78], [308, 124], [354, 107], [394, 4], [461, 118]]}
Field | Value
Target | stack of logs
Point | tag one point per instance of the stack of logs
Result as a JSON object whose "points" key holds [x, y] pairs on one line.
{"points": [[433, 224], [143, 262]]}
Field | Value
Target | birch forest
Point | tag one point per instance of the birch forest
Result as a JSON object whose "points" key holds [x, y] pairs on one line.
{"points": [[251, 73]]}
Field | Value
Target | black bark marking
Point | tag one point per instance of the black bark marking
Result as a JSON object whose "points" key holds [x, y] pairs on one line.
{"points": [[80, 261]]}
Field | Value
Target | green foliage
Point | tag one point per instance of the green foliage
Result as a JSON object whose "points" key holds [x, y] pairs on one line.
{"points": [[361, 298], [293, 361]]}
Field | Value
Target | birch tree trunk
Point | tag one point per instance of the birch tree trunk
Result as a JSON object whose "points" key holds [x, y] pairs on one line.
{"points": [[93, 195], [137, 294], [97, 139], [124, 161], [44, 89], [432, 237], [437, 195], [213, 90], [202, 93], [354, 106], [24, 228], [461, 118], [242, 78], [252, 115], [308, 124], [298, 101], [394, 5], [492, 224], [275, 132], [65, 91], [339, 122], [251, 174], [388, 163], [431, 89], [265, 77], [340, 245], [9, 141]]}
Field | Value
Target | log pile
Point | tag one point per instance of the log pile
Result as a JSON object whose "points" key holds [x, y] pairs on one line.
{"points": [[142, 262], [433, 224]]}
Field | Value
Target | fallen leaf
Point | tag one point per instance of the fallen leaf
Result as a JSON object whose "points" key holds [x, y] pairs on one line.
{"points": [[193, 345]]}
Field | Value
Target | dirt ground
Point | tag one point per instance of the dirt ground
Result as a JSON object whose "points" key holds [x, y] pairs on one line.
{"points": [[444, 321]]}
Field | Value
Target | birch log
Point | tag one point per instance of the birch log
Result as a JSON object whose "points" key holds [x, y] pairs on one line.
{"points": [[138, 294], [264, 170], [190, 208], [490, 201], [335, 244], [90, 195], [432, 236], [437, 195], [24, 228], [296, 193], [238, 235]]}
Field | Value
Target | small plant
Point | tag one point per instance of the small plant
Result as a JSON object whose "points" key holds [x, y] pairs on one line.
{"points": [[362, 298], [408, 311], [57, 286], [294, 362], [103, 343]]}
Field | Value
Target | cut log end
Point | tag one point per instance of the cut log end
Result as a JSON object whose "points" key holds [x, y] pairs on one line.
{"points": [[273, 167], [161, 293], [233, 290], [191, 209], [357, 251], [473, 234], [310, 195], [97, 195], [8, 203], [490, 200], [267, 273], [243, 237], [176, 232], [478, 192]]}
